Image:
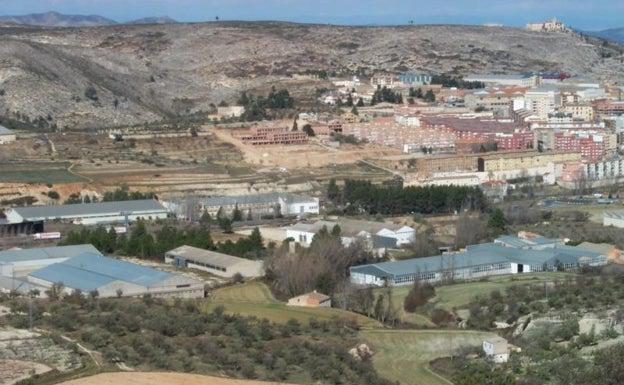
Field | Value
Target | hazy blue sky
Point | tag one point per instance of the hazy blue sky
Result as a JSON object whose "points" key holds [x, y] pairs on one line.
{"points": [[580, 14]]}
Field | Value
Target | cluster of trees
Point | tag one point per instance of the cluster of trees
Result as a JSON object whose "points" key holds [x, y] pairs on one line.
{"points": [[324, 266], [256, 108], [385, 94], [361, 196], [121, 194], [585, 291], [450, 81], [157, 334], [418, 295], [428, 96], [145, 245]]}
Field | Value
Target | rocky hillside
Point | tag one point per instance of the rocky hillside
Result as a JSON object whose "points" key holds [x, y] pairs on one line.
{"points": [[129, 74]]}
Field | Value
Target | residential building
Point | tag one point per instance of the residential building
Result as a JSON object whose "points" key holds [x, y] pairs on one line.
{"points": [[514, 80], [230, 111], [542, 100], [6, 135], [219, 264], [497, 100], [382, 80], [260, 136], [90, 213], [351, 230], [312, 299], [496, 349]]}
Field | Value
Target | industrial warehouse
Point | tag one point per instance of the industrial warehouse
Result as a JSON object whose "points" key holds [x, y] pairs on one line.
{"points": [[219, 264], [506, 255], [90, 213], [84, 268]]}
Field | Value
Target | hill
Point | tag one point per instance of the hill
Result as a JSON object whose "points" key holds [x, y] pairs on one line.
{"points": [[613, 34], [153, 20], [55, 19], [129, 74]]}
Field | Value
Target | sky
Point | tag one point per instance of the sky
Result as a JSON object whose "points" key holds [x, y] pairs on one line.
{"points": [[586, 15]]}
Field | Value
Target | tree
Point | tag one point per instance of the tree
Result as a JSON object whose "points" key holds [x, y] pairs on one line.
{"points": [[294, 126], [360, 102], [354, 110], [429, 96], [237, 215], [496, 223], [308, 130]]}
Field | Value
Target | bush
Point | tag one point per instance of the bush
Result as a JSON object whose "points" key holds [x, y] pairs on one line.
{"points": [[53, 195], [419, 294]]}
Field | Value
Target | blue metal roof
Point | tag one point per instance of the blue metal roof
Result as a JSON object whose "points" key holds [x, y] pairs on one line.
{"points": [[20, 255], [90, 271], [477, 255]]}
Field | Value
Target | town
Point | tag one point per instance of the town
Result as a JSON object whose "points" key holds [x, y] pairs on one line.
{"points": [[333, 226]]}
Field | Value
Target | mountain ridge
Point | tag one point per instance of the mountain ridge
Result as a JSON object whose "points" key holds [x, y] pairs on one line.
{"points": [[145, 72]]}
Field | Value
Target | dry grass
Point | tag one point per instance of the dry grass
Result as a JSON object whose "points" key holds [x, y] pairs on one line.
{"points": [[255, 299]]}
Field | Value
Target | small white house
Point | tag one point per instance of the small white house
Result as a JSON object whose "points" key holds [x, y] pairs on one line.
{"points": [[6, 135], [496, 349]]}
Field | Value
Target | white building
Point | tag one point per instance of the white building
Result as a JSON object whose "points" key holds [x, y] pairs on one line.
{"points": [[90, 213], [6, 135], [542, 101], [613, 218], [350, 230], [215, 263], [496, 349]]}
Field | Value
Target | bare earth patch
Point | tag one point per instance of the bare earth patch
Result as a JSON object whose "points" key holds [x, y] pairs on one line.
{"points": [[160, 378]]}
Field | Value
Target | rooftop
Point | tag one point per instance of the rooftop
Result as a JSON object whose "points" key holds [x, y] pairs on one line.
{"points": [[89, 271], [476, 255], [21, 255], [206, 256], [5, 131], [77, 210], [348, 227]]}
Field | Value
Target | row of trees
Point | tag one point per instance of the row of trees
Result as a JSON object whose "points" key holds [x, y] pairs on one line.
{"points": [[362, 196], [179, 335], [121, 194], [385, 94], [450, 81], [145, 245]]}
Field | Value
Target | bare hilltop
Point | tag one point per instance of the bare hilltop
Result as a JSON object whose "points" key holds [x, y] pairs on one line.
{"points": [[130, 74]]}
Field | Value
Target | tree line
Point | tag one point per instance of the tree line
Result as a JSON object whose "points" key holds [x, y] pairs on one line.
{"points": [[142, 244], [362, 196], [256, 107]]}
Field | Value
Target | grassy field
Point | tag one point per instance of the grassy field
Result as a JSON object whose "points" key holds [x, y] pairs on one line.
{"points": [[461, 294], [255, 299], [38, 172], [404, 355]]}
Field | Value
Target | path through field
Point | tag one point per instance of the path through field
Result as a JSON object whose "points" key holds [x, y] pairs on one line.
{"points": [[136, 378]]}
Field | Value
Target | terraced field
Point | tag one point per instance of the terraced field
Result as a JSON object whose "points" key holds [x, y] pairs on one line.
{"points": [[404, 355], [255, 299]]}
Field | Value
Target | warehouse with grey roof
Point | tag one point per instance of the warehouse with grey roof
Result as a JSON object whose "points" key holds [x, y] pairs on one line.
{"points": [[477, 261], [90, 213], [219, 264]]}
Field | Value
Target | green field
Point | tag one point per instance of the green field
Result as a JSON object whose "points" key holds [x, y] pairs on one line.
{"points": [[404, 355], [38, 172], [460, 294], [255, 299]]}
